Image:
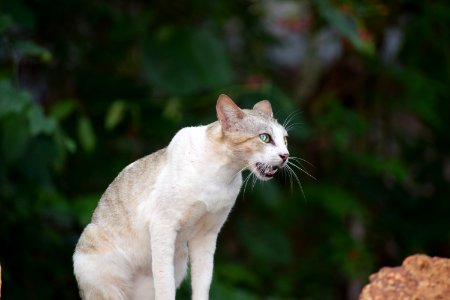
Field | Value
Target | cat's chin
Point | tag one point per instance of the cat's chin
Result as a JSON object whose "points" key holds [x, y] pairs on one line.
{"points": [[265, 172]]}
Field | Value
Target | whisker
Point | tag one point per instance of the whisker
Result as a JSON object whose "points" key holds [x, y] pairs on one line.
{"points": [[245, 183], [289, 118], [295, 158], [297, 179], [247, 178], [239, 172], [285, 172], [292, 125], [301, 169], [254, 182]]}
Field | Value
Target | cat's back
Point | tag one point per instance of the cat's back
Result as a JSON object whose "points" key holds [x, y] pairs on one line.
{"points": [[112, 220], [129, 188], [120, 202]]}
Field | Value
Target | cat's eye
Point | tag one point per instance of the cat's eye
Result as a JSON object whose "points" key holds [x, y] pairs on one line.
{"points": [[265, 137], [285, 140]]}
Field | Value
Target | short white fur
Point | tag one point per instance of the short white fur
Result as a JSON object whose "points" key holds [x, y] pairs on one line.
{"points": [[168, 208]]}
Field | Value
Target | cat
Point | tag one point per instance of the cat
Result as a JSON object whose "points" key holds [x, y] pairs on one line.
{"points": [[167, 208]]}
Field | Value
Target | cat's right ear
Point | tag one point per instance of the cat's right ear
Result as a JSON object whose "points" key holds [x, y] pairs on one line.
{"points": [[228, 113]]}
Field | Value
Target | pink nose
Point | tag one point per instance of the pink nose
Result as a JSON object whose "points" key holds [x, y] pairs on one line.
{"points": [[284, 156]]}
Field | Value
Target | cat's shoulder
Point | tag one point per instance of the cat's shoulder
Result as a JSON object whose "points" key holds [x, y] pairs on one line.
{"points": [[191, 131], [149, 162], [188, 135]]}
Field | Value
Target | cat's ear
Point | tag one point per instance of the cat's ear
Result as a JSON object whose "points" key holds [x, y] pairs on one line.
{"points": [[228, 113], [264, 106]]}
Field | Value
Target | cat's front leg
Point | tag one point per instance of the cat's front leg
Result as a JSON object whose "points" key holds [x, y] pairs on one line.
{"points": [[163, 238], [201, 255]]}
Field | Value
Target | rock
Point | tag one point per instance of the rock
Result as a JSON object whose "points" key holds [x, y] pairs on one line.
{"points": [[420, 277]]}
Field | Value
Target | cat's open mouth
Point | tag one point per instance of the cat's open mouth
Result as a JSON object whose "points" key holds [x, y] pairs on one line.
{"points": [[266, 171]]}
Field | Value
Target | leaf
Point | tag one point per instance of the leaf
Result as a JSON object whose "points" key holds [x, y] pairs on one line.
{"points": [[20, 13], [173, 110], [268, 195], [86, 134], [64, 145], [345, 24], [22, 119], [35, 165], [383, 165], [344, 124], [6, 23], [11, 99], [210, 59], [83, 207], [62, 109], [69, 144], [115, 114], [30, 49], [237, 274], [185, 61], [272, 247], [38, 122], [15, 137], [336, 200], [224, 292]]}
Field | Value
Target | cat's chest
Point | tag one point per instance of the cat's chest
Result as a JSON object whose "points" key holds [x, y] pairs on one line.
{"points": [[217, 194], [210, 203], [197, 220], [192, 183]]}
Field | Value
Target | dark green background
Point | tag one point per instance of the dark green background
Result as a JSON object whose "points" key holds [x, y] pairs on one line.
{"points": [[88, 86]]}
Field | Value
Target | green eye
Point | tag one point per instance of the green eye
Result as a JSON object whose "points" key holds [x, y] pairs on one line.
{"points": [[265, 137], [285, 140]]}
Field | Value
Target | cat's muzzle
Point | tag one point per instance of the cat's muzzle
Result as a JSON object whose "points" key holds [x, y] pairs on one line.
{"points": [[266, 171]]}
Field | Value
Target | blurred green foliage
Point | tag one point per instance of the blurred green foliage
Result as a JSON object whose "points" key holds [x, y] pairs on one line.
{"points": [[87, 87]]}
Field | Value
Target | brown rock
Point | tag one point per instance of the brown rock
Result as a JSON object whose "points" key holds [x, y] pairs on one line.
{"points": [[420, 277]]}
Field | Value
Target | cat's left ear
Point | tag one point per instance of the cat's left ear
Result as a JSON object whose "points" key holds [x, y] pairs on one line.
{"points": [[264, 106], [228, 112]]}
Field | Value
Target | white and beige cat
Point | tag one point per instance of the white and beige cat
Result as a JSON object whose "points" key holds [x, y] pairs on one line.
{"points": [[167, 208]]}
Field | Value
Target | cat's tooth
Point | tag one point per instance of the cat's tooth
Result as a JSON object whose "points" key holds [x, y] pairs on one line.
{"points": [[270, 171]]}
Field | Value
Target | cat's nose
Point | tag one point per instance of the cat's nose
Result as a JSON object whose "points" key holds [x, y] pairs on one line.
{"points": [[284, 156]]}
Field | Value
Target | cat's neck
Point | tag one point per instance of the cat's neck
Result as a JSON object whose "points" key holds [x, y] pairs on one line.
{"points": [[203, 148], [220, 151]]}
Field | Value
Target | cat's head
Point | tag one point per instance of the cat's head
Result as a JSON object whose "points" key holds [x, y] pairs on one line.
{"points": [[254, 138]]}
